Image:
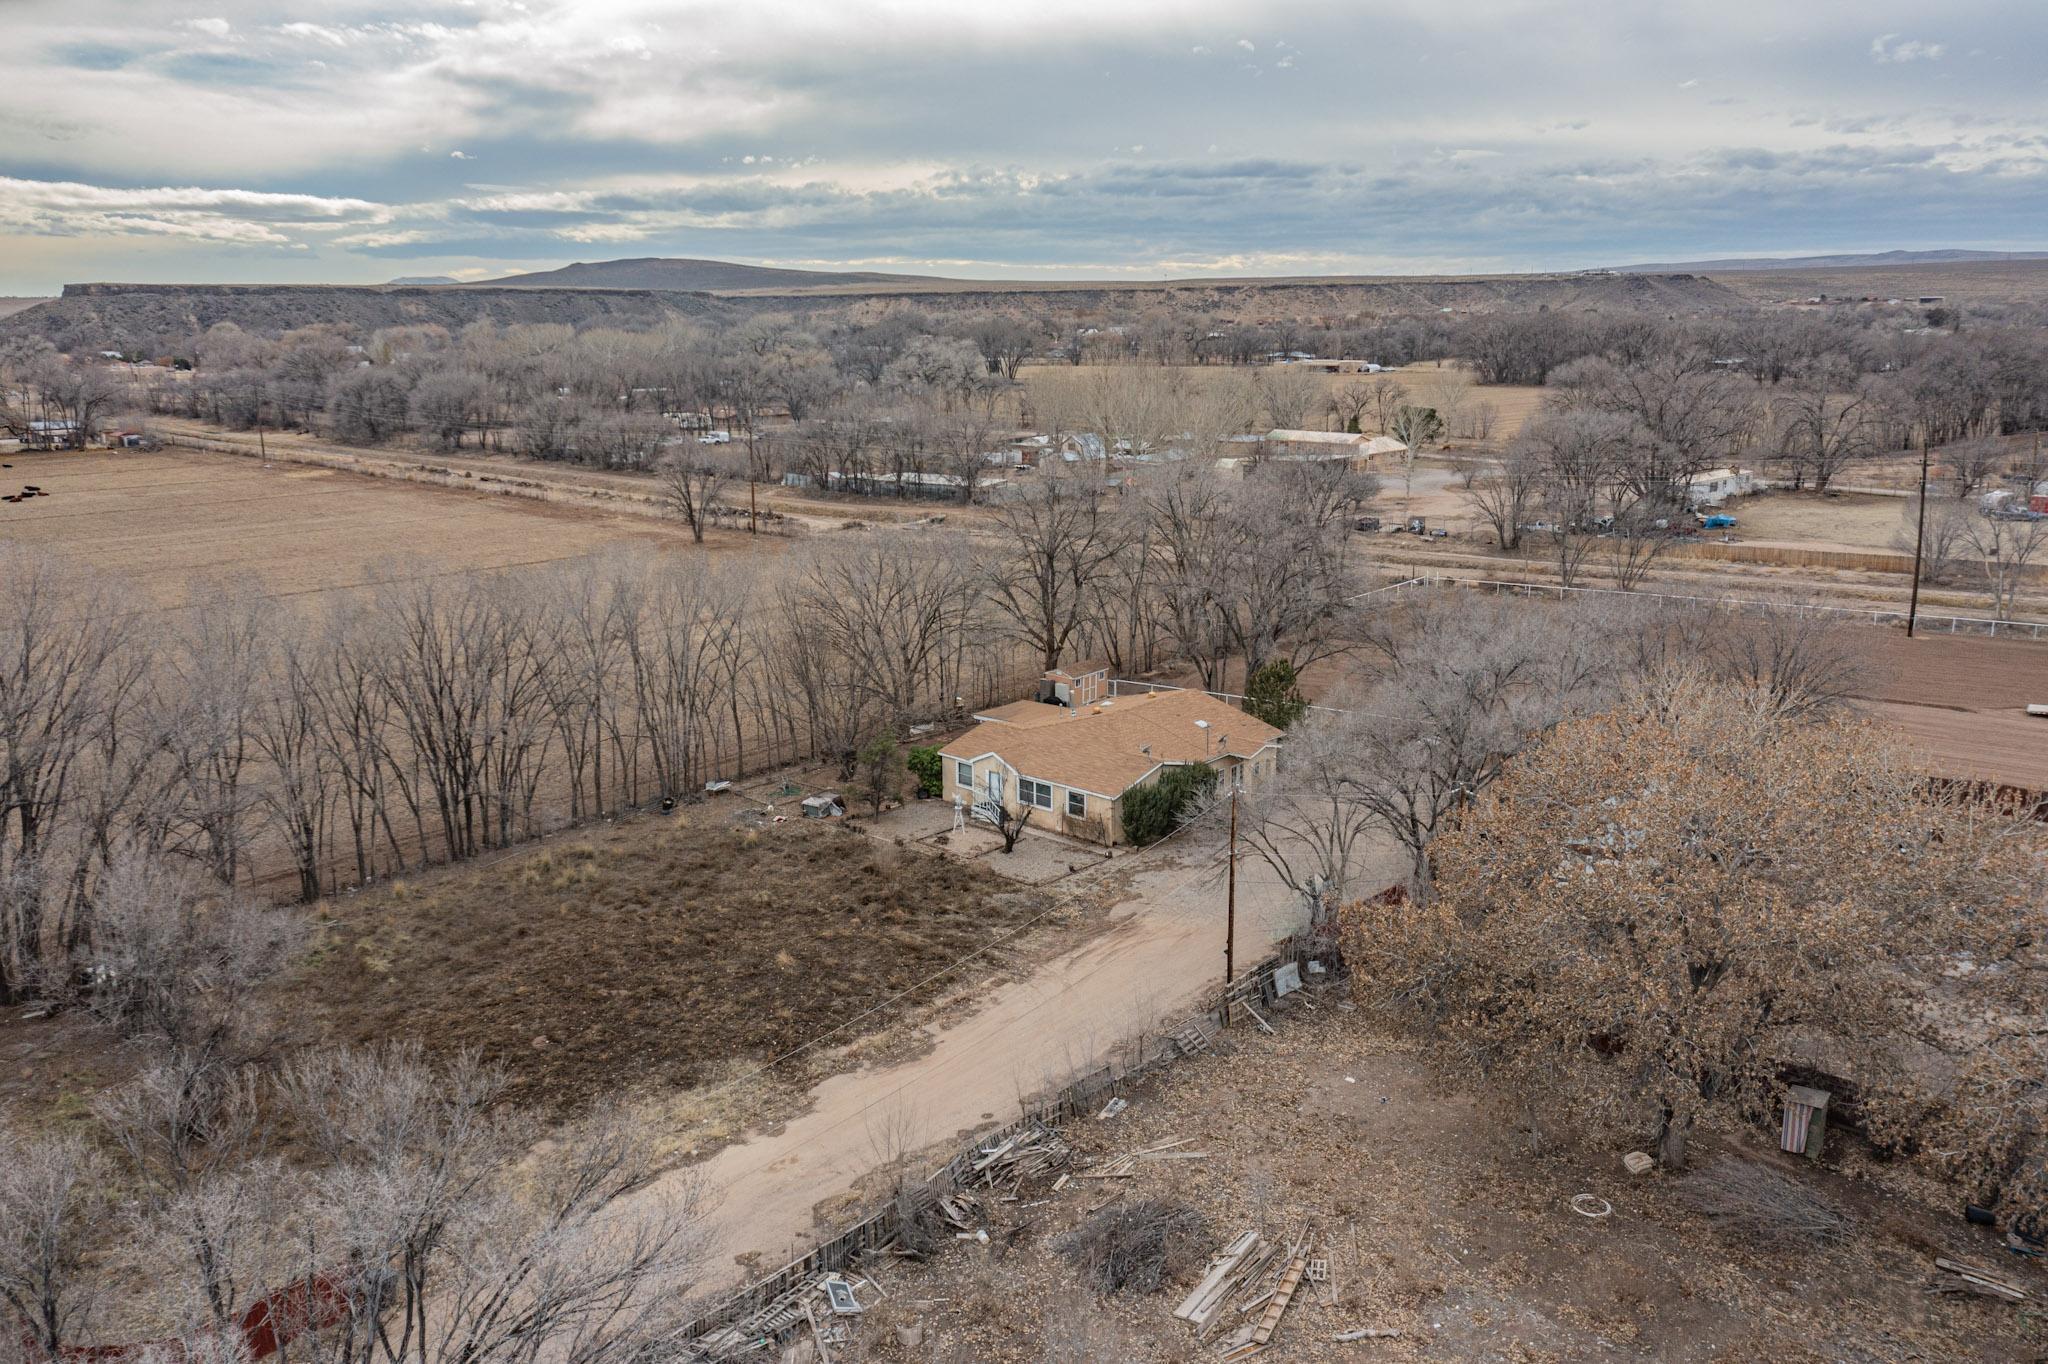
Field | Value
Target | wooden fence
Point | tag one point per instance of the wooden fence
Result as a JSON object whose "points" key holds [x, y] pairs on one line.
{"points": [[1079, 1098]]}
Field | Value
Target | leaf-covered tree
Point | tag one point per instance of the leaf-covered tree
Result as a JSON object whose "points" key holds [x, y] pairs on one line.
{"points": [[1660, 905]]}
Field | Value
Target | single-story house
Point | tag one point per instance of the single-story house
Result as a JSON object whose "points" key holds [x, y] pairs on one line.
{"points": [[54, 435], [1329, 447], [1071, 762], [1716, 486], [1336, 366]]}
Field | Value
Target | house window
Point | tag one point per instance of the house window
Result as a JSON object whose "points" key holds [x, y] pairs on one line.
{"points": [[1077, 804], [1036, 793], [964, 774]]}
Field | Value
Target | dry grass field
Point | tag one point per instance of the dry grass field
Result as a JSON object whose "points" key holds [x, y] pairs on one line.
{"points": [[1994, 282], [1513, 404], [163, 519]]}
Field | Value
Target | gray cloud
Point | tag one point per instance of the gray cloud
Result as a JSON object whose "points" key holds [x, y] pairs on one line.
{"points": [[327, 140]]}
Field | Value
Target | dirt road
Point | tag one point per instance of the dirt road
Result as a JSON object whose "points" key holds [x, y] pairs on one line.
{"points": [[562, 484], [1164, 950]]}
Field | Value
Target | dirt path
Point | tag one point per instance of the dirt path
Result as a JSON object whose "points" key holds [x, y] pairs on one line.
{"points": [[572, 484], [1165, 948]]}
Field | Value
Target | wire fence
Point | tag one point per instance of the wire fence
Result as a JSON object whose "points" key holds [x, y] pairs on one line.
{"points": [[1865, 615]]}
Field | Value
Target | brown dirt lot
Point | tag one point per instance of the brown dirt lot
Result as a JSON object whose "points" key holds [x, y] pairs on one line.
{"points": [[641, 957], [164, 518], [1441, 1219], [1822, 521], [1962, 703]]}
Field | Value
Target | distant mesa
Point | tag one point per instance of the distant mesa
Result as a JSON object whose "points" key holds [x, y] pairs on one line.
{"points": [[694, 276], [1841, 262], [421, 281]]}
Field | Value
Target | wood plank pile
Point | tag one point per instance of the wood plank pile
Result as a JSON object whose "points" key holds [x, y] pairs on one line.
{"points": [[1126, 1165], [1249, 1287], [1035, 1152], [1958, 1277], [1194, 1039], [961, 1211], [807, 1306]]}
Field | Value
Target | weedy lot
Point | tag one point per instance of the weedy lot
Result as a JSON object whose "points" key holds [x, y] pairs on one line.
{"points": [[648, 957], [1445, 1221]]}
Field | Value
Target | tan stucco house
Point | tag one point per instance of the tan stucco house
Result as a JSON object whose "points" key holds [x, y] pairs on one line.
{"points": [[1072, 757]]}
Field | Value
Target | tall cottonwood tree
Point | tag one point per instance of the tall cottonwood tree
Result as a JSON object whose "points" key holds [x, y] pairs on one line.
{"points": [[1634, 924]]}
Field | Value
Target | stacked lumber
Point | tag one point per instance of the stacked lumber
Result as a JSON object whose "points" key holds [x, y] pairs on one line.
{"points": [[1126, 1165], [1249, 1275], [1966, 1278], [1034, 1152]]}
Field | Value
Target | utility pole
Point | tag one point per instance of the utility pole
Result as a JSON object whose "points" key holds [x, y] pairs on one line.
{"points": [[1919, 540], [1230, 900]]}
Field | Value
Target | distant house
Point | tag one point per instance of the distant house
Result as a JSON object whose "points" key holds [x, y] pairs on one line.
{"points": [[1716, 486], [1328, 447], [913, 484], [1335, 366], [54, 435], [1072, 757]]}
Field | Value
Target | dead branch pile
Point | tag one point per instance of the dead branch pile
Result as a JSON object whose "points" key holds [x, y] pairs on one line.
{"points": [[1775, 1208], [1136, 1246]]}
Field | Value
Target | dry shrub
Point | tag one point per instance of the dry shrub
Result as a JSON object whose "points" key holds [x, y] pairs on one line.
{"points": [[1135, 1245], [1773, 1207]]}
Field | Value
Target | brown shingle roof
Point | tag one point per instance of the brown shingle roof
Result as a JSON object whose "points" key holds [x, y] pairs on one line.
{"points": [[1100, 748]]}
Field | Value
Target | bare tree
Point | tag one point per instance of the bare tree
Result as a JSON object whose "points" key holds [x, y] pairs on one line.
{"points": [[1825, 415], [1943, 542], [1054, 548], [454, 1252], [691, 483], [51, 1187], [1309, 822], [1508, 492], [2005, 549], [1464, 685], [1290, 395]]}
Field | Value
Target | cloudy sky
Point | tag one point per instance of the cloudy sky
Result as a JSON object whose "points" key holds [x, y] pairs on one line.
{"points": [[353, 142]]}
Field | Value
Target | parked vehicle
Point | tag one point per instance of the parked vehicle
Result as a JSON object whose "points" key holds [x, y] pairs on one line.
{"points": [[715, 438], [1718, 521], [1367, 523]]}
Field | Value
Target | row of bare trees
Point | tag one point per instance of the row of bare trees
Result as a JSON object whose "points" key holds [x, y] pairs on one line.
{"points": [[436, 717], [1450, 688]]}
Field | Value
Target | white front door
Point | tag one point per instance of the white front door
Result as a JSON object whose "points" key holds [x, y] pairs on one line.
{"points": [[995, 785]]}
